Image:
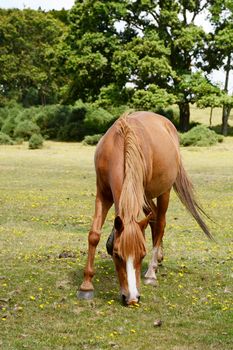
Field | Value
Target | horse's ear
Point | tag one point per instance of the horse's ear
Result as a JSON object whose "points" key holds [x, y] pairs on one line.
{"points": [[118, 224], [144, 222]]}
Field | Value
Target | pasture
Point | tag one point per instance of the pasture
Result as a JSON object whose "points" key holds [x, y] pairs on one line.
{"points": [[47, 202]]}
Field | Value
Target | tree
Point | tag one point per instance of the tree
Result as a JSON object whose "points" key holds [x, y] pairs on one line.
{"points": [[220, 51], [89, 47], [174, 23], [213, 98], [158, 48], [28, 41], [141, 71]]}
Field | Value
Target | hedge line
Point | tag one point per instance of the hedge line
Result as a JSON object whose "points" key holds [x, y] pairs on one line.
{"points": [[55, 122], [79, 122]]}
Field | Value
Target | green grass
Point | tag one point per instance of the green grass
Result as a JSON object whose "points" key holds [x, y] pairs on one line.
{"points": [[47, 202]]}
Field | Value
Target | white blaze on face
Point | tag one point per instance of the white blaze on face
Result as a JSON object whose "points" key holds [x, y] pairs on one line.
{"points": [[131, 278]]}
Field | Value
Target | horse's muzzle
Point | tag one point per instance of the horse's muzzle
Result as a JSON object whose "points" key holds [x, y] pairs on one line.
{"points": [[127, 302]]}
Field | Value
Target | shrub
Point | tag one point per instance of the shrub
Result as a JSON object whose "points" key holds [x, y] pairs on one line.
{"points": [[51, 119], [200, 136], [92, 139], [74, 128], [35, 141], [118, 111], [8, 116], [57, 122], [97, 121], [25, 129], [5, 139], [64, 123], [28, 114], [8, 126]]}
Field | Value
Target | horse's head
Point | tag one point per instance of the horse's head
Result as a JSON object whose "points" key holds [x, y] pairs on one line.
{"points": [[128, 253]]}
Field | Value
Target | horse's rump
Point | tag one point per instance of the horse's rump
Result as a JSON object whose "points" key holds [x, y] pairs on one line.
{"points": [[145, 143]]}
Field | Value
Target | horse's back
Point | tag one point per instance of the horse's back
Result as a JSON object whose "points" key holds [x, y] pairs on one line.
{"points": [[158, 140], [160, 144]]}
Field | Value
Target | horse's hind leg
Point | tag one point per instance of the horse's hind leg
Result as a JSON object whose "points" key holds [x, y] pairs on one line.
{"points": [[102, 206], [152, 224], [157, 237]]}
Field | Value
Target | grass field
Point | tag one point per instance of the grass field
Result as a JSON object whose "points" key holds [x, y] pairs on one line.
{"points": [[47, 201]]}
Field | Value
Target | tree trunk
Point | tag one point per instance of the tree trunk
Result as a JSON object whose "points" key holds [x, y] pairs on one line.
{"points": [[211, 115], [225, 115], [226, 110], [184, 116]]}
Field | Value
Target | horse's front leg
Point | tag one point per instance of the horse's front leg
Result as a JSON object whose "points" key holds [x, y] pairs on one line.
{"points": [[102, 206], [157, 237]]}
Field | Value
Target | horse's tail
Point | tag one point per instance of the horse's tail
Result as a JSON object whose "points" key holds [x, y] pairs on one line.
{"points": [[185, 191]]}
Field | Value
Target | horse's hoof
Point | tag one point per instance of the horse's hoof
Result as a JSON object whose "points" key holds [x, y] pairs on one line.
{"points": [[151, 282], [86, 295]]}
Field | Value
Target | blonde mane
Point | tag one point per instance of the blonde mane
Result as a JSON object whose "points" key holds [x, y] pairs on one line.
{"points": [[132, 199]]}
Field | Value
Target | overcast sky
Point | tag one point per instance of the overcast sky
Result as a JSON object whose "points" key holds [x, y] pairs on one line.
{"points": [[217, 76], [35, 4]]}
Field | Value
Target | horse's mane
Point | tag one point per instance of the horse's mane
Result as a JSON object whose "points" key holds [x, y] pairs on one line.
{"points": [[132, 199]]}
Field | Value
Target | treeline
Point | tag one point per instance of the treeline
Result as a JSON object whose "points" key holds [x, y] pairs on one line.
{"points": [[56, 122], [74, 71]]}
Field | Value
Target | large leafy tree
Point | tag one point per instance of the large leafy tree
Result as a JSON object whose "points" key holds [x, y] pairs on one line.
{"points": [[161, 55], [89, 47], [143, 64], [154, 57], [28, 42], [174, 23]]}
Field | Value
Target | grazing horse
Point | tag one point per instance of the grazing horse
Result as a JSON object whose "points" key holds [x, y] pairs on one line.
{"points": [[136, 161]]}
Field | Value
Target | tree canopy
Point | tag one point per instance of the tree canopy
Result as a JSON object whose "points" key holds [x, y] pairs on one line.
{"points": [[144, 54], [28, 60]]}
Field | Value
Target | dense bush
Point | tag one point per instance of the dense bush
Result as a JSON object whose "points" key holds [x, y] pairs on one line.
{"points": [[25, 129], [50, 119], [97, 121], [73, 128], [8, 126], [61, 122], [92, 139], [56, 122], [74, 123], [35, 141], [8, 116], [5, 139], [200, 136], [11, 116], [118, 111]]}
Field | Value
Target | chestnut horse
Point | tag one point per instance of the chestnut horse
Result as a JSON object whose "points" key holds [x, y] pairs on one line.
{"points": [[137, 160]]}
